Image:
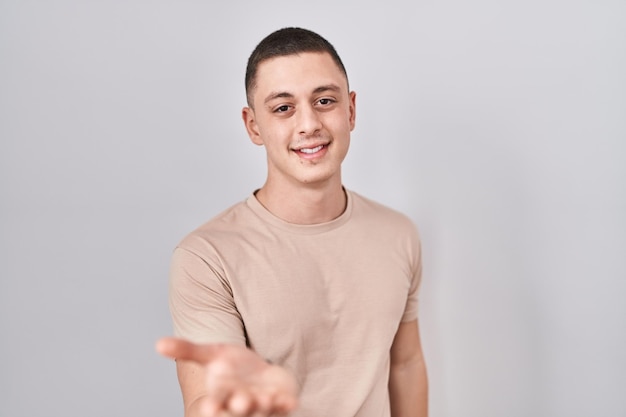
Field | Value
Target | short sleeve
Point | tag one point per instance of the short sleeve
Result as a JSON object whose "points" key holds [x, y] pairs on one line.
{"points": [[201, 301], [414, 257]]}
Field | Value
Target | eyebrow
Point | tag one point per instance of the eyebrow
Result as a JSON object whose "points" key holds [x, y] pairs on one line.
{"points": [[273, 96], [328, 87], [285, 94]]}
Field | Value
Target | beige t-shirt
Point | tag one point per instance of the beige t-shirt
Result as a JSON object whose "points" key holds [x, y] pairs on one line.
{"points": [[323, 300]]}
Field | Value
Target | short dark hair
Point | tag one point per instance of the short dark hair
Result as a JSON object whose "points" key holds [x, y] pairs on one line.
{"points": [[284, 42]]}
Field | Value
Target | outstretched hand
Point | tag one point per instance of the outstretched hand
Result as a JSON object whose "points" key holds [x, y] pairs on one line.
{"points": [[238, 381]]}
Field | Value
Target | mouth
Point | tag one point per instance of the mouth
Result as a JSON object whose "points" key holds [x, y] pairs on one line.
{"points": [[311, 151]]}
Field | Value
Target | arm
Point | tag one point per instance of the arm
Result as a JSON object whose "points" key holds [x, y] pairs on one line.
{"points": [[408, 384], [221, 378]]}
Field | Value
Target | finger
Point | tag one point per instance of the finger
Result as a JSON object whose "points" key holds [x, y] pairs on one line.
{"points": [[284, 403], [220, 386], [261, 414], [181, 349], [174, 348], [240, 403], [209, 408], [213, 404], [269, 401], [251, 404], [264, 402]]}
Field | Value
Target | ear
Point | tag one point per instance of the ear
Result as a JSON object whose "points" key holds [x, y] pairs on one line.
{"points": [[352, 108], [249, 120]]}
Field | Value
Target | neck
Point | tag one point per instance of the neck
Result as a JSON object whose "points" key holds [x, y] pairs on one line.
{"points": [[304, 205]]}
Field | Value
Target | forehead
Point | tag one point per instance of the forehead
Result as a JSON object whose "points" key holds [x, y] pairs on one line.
{"points": [[298, 73]]}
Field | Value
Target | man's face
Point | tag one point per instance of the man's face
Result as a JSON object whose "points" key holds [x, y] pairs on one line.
{"points": [[303, 114]]}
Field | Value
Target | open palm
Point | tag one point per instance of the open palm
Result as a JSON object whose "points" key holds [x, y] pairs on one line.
{"points": [[238, 381]]}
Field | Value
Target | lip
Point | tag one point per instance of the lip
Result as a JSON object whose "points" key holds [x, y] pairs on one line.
{"points": [[318, 154], [310, 146]]}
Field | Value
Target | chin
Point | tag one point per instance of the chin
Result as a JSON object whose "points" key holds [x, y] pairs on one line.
{"points": [[321, 179]]}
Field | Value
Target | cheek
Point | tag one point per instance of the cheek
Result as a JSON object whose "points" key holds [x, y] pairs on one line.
{"points": [[341, 126], [347, 119], [338, 123], [275, 126], [276, 139]]}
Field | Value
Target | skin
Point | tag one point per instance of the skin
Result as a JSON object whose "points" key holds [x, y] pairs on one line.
{"points": [[229, 380], [302, 101], [299, 102], [408, 381]]}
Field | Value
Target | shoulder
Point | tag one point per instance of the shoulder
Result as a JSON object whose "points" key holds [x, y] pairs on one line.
{"points": [[223, 227], [389, 229], [387, 224], [366, 209]]}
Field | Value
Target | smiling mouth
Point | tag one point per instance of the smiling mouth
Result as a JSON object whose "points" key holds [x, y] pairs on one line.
{"points": [[311, 150]]}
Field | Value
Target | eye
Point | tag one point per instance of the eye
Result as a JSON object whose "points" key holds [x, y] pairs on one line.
{"points": [[281, 109], [325, 101]]}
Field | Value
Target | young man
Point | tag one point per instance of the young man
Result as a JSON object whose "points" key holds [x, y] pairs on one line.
{"points": [[301, 300]]}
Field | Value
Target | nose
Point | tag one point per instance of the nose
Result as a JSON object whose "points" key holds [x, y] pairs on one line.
{"points": [[309, 122]]}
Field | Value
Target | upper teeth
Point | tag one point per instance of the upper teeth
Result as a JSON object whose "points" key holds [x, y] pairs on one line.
{"points": [[311, 150]]}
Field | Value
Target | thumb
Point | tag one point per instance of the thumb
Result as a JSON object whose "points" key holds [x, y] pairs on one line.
{"points": [[181, 349]]}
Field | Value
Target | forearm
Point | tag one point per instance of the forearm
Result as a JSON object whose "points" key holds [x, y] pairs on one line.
{"points": [[408, 389], [192, 378]]}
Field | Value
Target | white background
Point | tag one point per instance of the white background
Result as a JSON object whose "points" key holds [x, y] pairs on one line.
{"points": [[499, 127]]}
